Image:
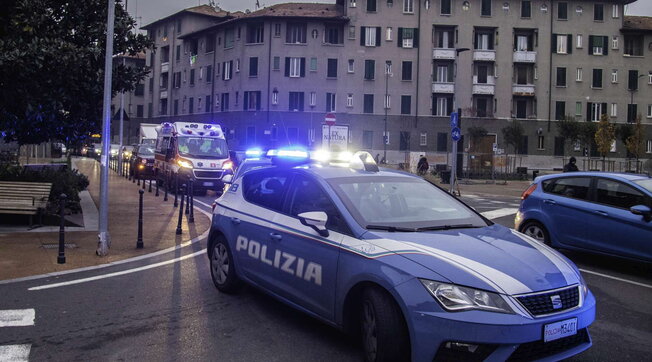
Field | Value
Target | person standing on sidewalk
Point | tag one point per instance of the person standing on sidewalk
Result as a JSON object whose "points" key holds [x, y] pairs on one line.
{"points": [[571, 166]]}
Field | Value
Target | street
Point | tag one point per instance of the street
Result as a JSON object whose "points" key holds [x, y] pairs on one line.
{"points": [[166, 308]]}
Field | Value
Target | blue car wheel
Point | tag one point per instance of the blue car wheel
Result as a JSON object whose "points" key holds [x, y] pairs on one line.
{"points": [[536, 230], [222, 270], [384, 333]]}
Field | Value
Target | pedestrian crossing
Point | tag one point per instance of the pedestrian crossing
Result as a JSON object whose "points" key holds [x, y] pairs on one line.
{"points": [[12, 318]]}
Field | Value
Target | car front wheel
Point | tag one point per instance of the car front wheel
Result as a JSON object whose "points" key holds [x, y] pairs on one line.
{"points": [[222, 269], [536, 230], [384, 333]]}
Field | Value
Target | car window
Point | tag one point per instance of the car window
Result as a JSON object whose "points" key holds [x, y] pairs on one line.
{"points": [[265, 189], [646, 184], [617, 194], [306, 195], [573, 187]]}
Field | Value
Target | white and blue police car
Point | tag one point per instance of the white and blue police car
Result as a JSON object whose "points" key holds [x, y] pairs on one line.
{"points": [[414, 272]]}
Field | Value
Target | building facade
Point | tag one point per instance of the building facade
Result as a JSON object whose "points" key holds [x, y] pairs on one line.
{"points": [[133, 105], [394, 70]]}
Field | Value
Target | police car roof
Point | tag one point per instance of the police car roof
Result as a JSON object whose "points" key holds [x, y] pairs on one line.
{"points": [[329, 171]]}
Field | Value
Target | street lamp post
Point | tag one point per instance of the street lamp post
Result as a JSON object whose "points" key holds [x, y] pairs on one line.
{"points": [[386, 106], [454, 148]]}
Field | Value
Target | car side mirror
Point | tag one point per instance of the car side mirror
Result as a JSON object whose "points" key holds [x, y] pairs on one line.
{"points": [[642, 210], [316, 220], [227, 179]]}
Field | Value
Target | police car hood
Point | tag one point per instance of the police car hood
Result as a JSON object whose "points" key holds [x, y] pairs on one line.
{"points": [[491, 258]]}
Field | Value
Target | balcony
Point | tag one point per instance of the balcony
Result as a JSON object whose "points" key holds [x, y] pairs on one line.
{"points": [[523, 90], [487, 87], [164, 95], [438, 87], [440, 53], [525, 57], [165, 67], [484, 55]]}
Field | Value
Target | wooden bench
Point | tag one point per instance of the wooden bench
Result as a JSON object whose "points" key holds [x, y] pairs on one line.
{"points": [[24, 198]]}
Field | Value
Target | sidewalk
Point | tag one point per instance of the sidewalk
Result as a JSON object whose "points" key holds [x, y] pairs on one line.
{"points": [[486, 187], [22, 253]]}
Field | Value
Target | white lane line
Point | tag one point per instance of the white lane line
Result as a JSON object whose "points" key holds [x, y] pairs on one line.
{"points": [[17, 317], [494, 214], [123, 272], [15, 353], [616, 278], [114, 263], [205, 204]]}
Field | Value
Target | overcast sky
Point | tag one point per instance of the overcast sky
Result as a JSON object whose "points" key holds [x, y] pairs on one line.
{"points": [[147, 11]]}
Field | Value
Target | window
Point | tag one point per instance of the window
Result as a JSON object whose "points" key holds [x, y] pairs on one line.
{"points": [[371, 5], [541, 145], [332, 68], [408, 38], [617, 194], [251, 100], [276, 63], [632, 80], [614, 76], [523, 43], [614, 110], [484, 40], [237, 65], [390, 3], [423, 139], [485, 8], [614, 11], [633, 45], [442, 104], [562, 43], [165, 54], [295, 67], [406, 104], [578, 43], [388, 101], [296, 33], [598, 45], [578, 76], [648, 146], [596, 110], [313, 99], [352, 32], [191, 105], [255, 33], [562, 11], [443, 72], [386, 137], [614, 42], [208, 104], [352, 3], [351, 66], [560, 110], [526, 8], [275, 96], [370, 36], [224, 102], [574, 187], [649, 111], [306, 195], [314, 33], [388, 33], [367, 139], [598, 12], [178, 25], [176, 80], [277, 30], [578, 108], [313, 64], [408, 6], [632, 112], [561, 77], [227, 68], [210, 43], [330, 102], [445, 8], [349, 100], [334, 35], [442, 142], [192, 77], [649, 78], [406, 70], [296, 101], [369, 69], [388, 67], [368, 103], [229, 38], [597, 78], [265, 188], [253, 66]]}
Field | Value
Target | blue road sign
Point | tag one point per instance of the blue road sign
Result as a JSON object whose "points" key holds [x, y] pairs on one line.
{"points": [[454, 120], [456, 134]]}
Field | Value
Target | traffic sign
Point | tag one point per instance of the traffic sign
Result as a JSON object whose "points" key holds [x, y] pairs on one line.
{"points": [[330, 119], [495, 147], [454, 120], [456, 134]]}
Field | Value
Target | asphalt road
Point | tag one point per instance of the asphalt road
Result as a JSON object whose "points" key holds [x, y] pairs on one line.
{"points": [[173, 312]]}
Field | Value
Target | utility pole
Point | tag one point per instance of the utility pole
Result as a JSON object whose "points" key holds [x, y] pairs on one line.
{"points": [[104, 242], [122, 112], [386, 106]]}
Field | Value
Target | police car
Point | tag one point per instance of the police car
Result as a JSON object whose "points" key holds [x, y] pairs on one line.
{"points": [[397, 261]]}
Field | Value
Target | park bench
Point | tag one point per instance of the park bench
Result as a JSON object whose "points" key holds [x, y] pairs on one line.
{"points": [[24, 198]]}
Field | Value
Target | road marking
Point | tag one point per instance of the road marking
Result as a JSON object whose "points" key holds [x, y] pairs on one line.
{"points": [[494, 214], [205, 204], [616, 278], [123, 272], [15, 353], [17, 318]]}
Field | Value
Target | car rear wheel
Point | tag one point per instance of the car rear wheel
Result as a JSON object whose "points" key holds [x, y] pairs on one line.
{"points": [[222, 269], [384, 333], [536, 230]]}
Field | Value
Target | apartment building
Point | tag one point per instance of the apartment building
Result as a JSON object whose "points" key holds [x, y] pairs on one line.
{"points": [[133, 110], [271, 75]]}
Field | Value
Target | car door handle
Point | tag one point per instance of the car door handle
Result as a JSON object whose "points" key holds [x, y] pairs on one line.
{"points": [[235, 220], [549, 202], [276, 236], [600, 212]]}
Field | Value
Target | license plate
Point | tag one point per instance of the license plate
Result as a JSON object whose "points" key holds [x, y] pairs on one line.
{"points": [[558, 330], [208, 184]]}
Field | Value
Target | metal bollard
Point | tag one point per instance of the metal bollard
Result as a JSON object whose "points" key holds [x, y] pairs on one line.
{"points": [[180, 212], [150, 184], [139, 242], [176, 185], [167, 185], [191, 218], [188, 196], [156, 177], [144, 182], [61, 259], [137, 179]]}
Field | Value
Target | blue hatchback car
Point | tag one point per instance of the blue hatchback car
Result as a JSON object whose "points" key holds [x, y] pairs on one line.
{"points": [[413, 272], [608, 213]]}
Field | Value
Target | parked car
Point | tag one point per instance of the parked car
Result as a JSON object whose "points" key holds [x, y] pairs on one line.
{"points": [[142, 161], [607, 213]]}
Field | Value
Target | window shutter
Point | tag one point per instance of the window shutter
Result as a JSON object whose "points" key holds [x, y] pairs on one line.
{"points": [[604, 109], [554, 43], [287, 66], [245, 103], [399, 38], [224, 71], [590, 47], [450, 73], [362, 35], [449, 106], [415, 40], [301, 101], [588, 111], [515, 42], [257, 94], [491, 41], [303, 67], [475, 40], [605, 45], [569, 43], [378, 36]]}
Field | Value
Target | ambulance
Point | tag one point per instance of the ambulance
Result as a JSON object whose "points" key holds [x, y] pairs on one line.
{"points": [[191, 151]]}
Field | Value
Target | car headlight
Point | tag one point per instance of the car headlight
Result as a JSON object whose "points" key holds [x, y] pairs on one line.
{"points": [[185, 163], [583, 287], [455, 298]]}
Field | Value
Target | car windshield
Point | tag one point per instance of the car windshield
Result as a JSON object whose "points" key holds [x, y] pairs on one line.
{"points": [[397, 203], [645, 183], [146, 150], [203, 147]]}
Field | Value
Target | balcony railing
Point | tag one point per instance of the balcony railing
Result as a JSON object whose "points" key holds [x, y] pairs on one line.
{"points": [[439, 87], [484, 55], [441, 53], [484, 89], [523, 89], [165, 67], [164, 95], [525, 57]]}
